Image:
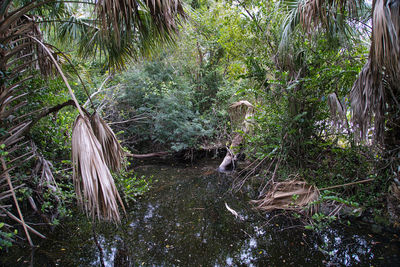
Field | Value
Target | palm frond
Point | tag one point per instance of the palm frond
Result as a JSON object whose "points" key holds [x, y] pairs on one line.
{"points": [[113, 153], [46, 176], [239, 110], [385, 53], [91, 174], [291, 20], [338, 111], [94, 185], [122, 30], [311, 15], [367, 98], [126, 15], [288, 195], [374, 92], [315, 13]]}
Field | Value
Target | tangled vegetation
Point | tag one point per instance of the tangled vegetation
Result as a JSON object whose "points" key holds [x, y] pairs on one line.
{"points": [[322, 78]]}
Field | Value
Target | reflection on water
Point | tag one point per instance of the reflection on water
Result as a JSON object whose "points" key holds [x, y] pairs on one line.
{"points": [[183, 221]]}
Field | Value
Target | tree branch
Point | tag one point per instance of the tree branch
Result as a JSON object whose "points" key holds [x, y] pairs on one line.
{"points": [[149, 155], [49, 111], [90, 97]]}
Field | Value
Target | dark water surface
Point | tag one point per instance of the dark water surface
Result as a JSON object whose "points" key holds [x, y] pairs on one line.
{"points": [[183, 221]]}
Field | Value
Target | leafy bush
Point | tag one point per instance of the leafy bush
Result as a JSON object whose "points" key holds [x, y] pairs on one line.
{"points": [[168, 101]]}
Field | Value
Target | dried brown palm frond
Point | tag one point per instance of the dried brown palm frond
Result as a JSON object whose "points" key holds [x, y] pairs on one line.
{"points": [[22, 53], [94, 185], [338, 111], [288, 195], [44, 62], [296, 195], [15, 135], [313, 13], [143, 20], [374, 94], [335, 106], [46, 175], [19, 54], [367, 99], [240, 113], [165, 12], [385, 48], [113, 153]]}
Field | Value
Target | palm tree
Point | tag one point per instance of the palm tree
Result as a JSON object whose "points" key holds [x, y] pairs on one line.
{"points": [[375, 94], [118, 30], [308, 18]]}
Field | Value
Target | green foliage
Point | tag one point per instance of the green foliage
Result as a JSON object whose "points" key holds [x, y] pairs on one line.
{"points": [[51, 133], [231, 50], [293, 114], [320, 222], [131, 185], [157, 92], [327, 195], [3, 153], [59, 201], [6, 238]]}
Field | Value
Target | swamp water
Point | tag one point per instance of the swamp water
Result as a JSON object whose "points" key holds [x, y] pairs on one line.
{"points": [[183, 221]]}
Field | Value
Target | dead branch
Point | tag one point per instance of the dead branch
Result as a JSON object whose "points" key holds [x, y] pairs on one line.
{"points": [[149, 155], [15, 218], [348, 184], [3, 163]]}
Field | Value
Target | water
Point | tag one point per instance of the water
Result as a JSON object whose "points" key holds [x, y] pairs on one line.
{"points": [[183, 221]]}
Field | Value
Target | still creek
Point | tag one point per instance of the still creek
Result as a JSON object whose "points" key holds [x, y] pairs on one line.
{"points": [[183, 221]]}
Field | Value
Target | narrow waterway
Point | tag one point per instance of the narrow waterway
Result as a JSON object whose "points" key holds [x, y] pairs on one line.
{"points": [[183, 221]]}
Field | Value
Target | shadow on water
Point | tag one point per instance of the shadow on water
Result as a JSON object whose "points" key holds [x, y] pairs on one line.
{"points": [[183, 221]]}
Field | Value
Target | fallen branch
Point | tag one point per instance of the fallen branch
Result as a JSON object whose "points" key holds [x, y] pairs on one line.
{"points": [[149, 155], [12, 216], [136, 118], [348, 184], [24, 225], [48, 111]]}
